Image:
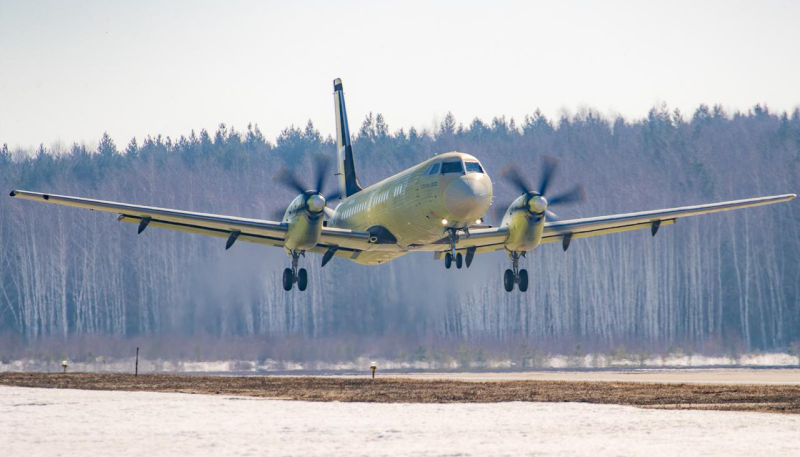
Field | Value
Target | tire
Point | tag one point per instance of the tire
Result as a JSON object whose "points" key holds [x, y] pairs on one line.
{"points": [[523, 280], [302, 279], [508, 280], [288, 280], [448, 260], [459, 260]]}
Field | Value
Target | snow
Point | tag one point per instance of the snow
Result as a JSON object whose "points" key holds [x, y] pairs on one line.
{"points": [[590, 361], [73, 422]]}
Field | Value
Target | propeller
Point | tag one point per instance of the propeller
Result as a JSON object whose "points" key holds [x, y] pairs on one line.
{"points": [[537, 201], [316, 199], [498, 211]]}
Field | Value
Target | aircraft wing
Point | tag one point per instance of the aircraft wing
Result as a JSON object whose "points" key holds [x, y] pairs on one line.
{"points": [[493, 239], [616, 223], [259, 231]]}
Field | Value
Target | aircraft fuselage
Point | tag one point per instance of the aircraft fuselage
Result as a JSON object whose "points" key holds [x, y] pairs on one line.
{"points": [[416, 206]]}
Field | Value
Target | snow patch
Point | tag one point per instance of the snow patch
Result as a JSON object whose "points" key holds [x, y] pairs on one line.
{"points": [[588, 361], [78, 422]]}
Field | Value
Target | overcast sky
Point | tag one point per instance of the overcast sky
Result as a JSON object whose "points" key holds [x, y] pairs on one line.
{"points": [[71, 70]]}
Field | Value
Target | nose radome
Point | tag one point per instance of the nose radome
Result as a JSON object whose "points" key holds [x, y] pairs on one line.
{"points": [[467, 197]]}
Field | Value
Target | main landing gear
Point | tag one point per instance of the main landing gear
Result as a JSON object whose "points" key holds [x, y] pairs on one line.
{"points": [[293, 275], [515, 275]]}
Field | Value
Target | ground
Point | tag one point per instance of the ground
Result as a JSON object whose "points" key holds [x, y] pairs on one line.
{"points": [[766, 391], [49, 422]]}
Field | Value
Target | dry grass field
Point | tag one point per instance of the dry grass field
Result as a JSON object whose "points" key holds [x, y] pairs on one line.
{"points": [[724, 397]]}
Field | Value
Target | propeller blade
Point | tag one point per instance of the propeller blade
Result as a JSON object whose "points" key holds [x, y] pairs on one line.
{"points": [[277, 215], [288, 179], [511, 174], [330, 212], [321, 170], [333, 196], [551, 216], [549, 166], [498, 211], [576, 195]]}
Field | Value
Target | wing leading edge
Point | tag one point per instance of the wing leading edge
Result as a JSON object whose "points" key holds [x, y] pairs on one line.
{"points": [[348, 242]]}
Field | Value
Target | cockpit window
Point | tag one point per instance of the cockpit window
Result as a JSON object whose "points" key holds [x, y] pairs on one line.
{"points": [[474, 167], [452, 167], [434, 169]]}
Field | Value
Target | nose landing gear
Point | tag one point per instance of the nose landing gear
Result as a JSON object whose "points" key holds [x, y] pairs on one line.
{"points": [[515, 275], [452, 235], [448, 260], [294, 275]]}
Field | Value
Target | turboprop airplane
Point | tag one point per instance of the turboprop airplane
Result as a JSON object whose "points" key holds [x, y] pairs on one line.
{"points": [[436, 206]]}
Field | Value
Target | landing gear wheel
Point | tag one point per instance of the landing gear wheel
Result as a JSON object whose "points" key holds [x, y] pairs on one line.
{"points": [[288, 279], [523, 280], [448, 260], [508, 280], [459, 260], [302, 279]]}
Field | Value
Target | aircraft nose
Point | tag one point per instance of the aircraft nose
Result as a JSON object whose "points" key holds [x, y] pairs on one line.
{"points": [[468, 197]]}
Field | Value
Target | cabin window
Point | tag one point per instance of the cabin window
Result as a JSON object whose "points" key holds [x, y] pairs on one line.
{"points": [[452, 167], [434, 169], [473, 167]]}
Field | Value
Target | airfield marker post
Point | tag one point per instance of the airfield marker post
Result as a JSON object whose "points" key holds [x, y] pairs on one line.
{"points": [[136, 372], [373, 366]]}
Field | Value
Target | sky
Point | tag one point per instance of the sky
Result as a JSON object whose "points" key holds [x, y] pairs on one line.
{"points": [[70, 71]]}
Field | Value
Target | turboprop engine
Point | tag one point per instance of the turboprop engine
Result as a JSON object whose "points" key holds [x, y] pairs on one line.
{"points": [[525, 220], [525, 216], [305, 214], [304, 219]]}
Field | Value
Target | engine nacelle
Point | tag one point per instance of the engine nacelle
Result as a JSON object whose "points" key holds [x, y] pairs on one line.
{"points": [[525, 219], [304, 218]]}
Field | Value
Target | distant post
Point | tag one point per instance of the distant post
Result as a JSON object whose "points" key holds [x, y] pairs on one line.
{"points": [[373, 366], [64, 365], [136, 373]]}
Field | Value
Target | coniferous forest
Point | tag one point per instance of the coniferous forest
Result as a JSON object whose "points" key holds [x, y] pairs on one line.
{"points": [[730, 280]]}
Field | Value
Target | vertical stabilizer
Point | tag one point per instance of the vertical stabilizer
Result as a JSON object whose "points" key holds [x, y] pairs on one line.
{"points": [[348, 182]]}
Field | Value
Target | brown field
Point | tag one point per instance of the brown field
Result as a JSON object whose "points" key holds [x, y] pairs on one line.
{"points": [[730, 397]]}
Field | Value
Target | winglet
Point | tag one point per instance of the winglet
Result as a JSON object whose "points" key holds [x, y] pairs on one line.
{"points": [[13, 193]]}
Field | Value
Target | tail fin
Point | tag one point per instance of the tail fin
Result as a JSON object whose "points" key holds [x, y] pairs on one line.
{"points": [[348, 182]]}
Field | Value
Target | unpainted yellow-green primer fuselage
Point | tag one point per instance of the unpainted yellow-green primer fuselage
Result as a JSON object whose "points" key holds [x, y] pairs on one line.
{"points": [[415, 206]]}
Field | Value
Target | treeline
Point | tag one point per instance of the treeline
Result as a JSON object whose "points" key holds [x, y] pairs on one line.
{"points": [[722, 281]]}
